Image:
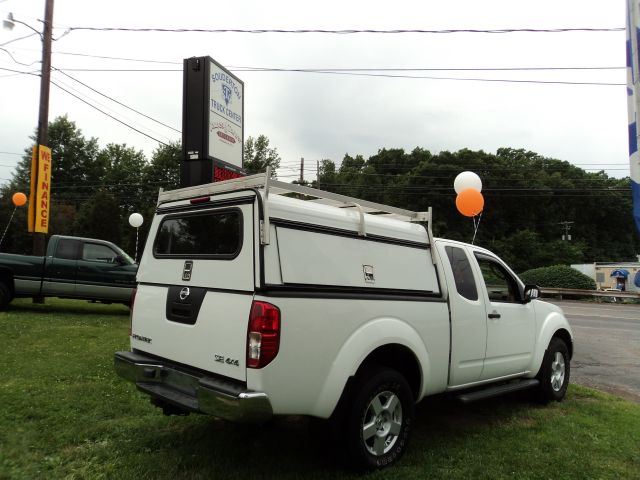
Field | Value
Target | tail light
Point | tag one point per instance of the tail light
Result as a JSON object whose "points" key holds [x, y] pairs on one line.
{"points": [[263, 335], [131, 302]]}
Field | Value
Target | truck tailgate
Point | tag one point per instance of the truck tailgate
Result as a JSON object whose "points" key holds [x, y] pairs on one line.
{"points": [[196, 285], [215, 342]]}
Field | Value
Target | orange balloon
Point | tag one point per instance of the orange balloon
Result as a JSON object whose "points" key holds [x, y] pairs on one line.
{"points": [[470, 202], [19, 199]]}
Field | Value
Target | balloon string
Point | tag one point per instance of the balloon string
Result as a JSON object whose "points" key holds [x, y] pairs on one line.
{"points": [[135, 259], [475, 227], [8, 224]]}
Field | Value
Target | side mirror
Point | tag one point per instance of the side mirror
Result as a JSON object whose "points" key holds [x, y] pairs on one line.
{"points": [[531, 292], [120, 260]]}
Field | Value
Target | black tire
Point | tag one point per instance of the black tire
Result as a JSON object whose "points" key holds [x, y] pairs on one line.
{"points": [[554, 372], [378, 420], [5, 295]]}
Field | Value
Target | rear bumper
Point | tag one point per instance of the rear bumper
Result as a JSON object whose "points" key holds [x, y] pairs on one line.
{"points": [[191, 391]]}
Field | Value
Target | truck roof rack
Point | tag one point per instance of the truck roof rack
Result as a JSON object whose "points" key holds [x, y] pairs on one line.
{"points": [[269, 186]]}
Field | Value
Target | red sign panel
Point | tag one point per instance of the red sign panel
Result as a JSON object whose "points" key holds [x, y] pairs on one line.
{"points": [[220, 174]]}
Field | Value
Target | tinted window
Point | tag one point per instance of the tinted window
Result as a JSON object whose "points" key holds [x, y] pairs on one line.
{"points": [[501, 287], [213, 233], [462, 273], [95, 252], [67, 249]]}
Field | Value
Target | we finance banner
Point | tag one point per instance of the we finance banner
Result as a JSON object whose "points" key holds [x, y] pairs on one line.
{"points": [[42, 190]]}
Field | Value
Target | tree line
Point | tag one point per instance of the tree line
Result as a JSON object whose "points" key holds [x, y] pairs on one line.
{"points": [[94, 189], [527, 199], [527, 196]]}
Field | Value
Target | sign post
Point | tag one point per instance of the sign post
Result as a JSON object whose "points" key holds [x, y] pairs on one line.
{"points": [[212, 123]]}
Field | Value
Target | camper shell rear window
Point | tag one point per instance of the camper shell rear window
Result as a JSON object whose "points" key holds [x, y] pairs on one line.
{"points": [[214, 234]]}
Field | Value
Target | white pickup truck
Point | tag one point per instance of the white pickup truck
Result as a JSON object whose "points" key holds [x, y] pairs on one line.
{"points": [[252, 303]]}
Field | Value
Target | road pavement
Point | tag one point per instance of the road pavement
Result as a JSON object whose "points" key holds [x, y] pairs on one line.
{"points": [[606, 346]]}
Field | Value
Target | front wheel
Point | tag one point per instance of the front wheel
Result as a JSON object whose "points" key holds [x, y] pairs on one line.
{"points": [[554, 372], [379, 419]]}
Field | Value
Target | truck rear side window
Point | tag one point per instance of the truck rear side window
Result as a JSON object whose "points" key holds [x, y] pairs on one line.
{"points": [[462, 273], [67, 249], [209, 234]]}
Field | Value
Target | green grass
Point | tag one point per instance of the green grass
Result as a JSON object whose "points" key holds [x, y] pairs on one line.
{"points": [[64, 414]]}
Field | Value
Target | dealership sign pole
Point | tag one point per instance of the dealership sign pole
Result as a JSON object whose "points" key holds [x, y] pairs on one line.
{"points": [[212, 123], [633, 101]]}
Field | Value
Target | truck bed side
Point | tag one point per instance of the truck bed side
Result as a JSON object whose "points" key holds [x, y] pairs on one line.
{"points": [[22, 273]]}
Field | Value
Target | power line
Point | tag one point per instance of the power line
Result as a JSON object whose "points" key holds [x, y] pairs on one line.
{"points": [[345, 31], [358, 74], [108, 115], [364, 69], [150, 70], [104, 57], [16, 61], [422, 69], [312, 168], [16, 39], [422, 77], [100, 93], [109, 108], [116, 101], [92, 106], [18, 72]]}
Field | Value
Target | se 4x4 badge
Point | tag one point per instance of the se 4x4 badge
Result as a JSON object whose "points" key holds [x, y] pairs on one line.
{"points": [[186, 271]]}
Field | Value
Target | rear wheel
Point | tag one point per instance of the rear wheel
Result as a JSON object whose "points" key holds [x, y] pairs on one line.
{"points": [[379, 420], [5, 295], [554, 372]]}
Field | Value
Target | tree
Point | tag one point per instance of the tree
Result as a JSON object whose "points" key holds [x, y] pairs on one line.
{"points": [[74, 173], [164, 168], [258, 156], [99, 217], [526, 197], [74, 158], [124, 168]]}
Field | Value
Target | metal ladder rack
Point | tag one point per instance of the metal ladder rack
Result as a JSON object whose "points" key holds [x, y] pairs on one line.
{"points": [[270, 186]]}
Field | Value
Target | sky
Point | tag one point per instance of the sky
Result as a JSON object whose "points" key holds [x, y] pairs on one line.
{"points": [[327, 115]]}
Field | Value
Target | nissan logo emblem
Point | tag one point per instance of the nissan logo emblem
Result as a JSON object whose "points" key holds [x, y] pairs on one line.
{"points": [[184, 293]]}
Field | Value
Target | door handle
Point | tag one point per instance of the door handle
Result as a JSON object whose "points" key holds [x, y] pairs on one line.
{"points": [[494, 314]]}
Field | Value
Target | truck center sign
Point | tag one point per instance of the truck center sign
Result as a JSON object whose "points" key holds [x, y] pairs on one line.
{"points": [[212, 123], [225, 116]]}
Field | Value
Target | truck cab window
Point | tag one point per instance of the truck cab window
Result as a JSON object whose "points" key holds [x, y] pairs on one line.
{"points": [[501, 286], [94, 252], [67, 249], [462, 273]]}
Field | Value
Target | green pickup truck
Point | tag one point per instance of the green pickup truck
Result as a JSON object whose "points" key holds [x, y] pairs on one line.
{"points": [[73, 267]]}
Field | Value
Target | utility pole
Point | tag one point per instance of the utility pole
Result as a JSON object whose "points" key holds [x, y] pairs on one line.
{"points": [[566, 226], [318, 174], [43, 116], [301, 170]]}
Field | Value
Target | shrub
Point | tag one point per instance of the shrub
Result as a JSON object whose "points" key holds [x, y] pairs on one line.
{"points": [[558, 276]]}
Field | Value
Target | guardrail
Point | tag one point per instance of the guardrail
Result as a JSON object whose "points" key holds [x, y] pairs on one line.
{"points": [[597, 294]]}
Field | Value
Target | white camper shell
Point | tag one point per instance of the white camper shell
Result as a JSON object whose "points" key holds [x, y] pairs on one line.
{"points": [[259, 298]]}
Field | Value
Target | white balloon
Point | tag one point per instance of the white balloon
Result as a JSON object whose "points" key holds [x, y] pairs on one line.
{"points": [[135, 220], [466, 180]]}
